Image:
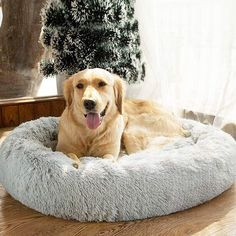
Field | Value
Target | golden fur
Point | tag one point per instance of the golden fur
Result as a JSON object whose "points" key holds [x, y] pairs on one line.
{"points": [[137, 122]]}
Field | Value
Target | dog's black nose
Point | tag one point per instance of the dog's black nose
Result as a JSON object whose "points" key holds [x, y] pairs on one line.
{"points": [[89, 104]]}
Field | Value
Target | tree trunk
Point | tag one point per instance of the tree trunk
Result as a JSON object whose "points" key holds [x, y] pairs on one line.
{"points": [[20, 50]]}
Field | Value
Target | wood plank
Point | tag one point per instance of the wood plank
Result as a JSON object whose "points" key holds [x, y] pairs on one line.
{"points": [[29, 109], [10, 116], [57, 107], [1, 124], [26, 112], [29, 100], [42, 109]]}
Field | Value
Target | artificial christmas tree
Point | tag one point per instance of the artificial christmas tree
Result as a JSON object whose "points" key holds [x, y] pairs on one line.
{"points": [[83, 34]]}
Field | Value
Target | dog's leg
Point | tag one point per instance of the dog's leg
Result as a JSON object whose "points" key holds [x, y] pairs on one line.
{"points": [[75, 158], [134, 143], [110, 156]]}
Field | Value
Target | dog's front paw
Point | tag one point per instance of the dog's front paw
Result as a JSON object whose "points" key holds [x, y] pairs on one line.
{"points": [[75, 158], [109, 157], [76, 164]]}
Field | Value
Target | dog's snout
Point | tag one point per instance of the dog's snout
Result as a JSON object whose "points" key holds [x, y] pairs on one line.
{"points": [[89, 104]]}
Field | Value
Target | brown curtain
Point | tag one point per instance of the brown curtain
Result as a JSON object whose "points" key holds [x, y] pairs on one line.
{"points": [[20, 50]]}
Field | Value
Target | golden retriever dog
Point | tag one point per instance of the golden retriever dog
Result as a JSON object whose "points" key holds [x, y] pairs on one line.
{"points": [[97, 118]]}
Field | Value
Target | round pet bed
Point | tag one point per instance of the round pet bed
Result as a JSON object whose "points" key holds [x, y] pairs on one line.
{"points": [[184, 174]]}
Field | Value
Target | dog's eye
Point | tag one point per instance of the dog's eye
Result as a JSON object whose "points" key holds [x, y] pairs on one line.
{"points": [[101, 84], [80, 86]]}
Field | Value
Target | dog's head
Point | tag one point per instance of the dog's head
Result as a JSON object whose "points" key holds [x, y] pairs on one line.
{"points": [[94, 94]]}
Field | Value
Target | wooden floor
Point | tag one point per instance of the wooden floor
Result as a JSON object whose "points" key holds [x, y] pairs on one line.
{"points": [[217, 217], [3, 133]]}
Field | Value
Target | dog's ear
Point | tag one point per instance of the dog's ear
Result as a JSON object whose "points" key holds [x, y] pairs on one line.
{"points": [[68, 91], [119, 91]]}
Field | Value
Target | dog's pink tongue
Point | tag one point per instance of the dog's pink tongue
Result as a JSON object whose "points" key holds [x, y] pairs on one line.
{"points": [[93, 120]]}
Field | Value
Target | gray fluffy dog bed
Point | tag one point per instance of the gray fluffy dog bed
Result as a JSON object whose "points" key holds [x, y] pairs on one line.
{"points": [[184, 174]]}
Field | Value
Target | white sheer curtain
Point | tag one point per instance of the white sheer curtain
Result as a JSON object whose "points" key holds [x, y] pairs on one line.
{"points": [[190, 53]]}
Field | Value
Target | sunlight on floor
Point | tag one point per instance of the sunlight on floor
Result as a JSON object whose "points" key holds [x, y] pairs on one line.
{"points": [[4, 132]]}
